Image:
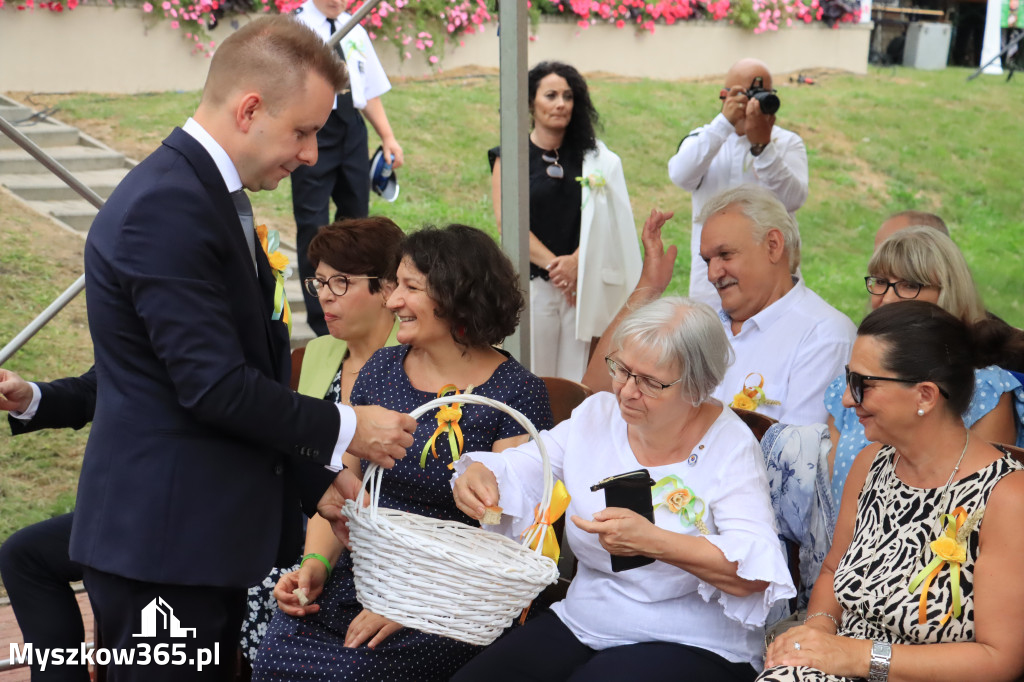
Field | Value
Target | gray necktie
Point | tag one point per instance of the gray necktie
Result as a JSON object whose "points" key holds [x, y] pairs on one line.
{"points": [[244, 208]]}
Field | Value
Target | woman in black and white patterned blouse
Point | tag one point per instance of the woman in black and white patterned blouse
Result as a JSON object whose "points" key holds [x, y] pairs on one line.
{"points": [[923, 579]]}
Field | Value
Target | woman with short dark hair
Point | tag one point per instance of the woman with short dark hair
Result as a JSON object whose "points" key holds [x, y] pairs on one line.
{"points": [[456, 296], [922, 581]]}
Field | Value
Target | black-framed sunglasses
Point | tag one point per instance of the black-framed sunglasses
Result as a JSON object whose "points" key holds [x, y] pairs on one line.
{"points": [[855, 382], [554, 169], [651, 388], [337, 284], [877, 286]]}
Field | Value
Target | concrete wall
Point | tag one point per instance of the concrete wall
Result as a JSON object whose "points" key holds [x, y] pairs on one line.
{"points": [[683, 50], [101, 49]]}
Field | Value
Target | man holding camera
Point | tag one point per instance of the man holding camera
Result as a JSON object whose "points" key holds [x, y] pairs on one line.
{"points": [[741, 145]]}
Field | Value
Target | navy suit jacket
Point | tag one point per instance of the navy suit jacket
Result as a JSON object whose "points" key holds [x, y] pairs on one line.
{"points": [[64, 403], [199, 453]]}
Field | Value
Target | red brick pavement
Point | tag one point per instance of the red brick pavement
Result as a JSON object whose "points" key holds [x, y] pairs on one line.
{"points": [[10, 634]]}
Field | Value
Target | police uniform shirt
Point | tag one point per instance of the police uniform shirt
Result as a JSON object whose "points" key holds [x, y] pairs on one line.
{"points": [[366, 75]]}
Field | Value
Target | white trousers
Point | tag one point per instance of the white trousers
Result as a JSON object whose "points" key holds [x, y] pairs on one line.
{"points": [[554, 349]]}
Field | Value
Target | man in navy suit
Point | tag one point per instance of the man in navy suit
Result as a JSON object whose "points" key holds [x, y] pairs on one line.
{"points": [[200, 456]]}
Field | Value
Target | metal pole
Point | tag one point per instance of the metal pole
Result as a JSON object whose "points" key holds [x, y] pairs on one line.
{"points": [[35, 325], [356, 18], [1009, 46], [7, 128], [515, 160], [86, 193]]}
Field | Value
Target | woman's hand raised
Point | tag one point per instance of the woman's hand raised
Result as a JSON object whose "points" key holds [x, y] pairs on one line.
{"points": [[475, 490]]}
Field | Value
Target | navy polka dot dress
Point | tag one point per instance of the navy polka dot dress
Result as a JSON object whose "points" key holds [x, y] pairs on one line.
{"points": [[311, 648]]}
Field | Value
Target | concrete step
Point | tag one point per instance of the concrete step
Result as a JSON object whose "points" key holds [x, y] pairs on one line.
{"points": [[47, 187], [14, 112], [75, 158], [301, 333], [293, 290], [76, 213], [45, 134]]}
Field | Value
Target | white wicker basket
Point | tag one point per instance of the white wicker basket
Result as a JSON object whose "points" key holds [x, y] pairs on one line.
{"points": [[444, 577]]}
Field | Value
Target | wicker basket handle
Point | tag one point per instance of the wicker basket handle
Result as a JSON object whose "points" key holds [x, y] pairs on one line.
{"points": [[374, 474]]}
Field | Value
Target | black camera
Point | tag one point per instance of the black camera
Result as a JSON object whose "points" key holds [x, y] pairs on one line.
{"points": [[768, 99]]}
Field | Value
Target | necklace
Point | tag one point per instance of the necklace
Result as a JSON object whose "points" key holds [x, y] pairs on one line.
{"points": [[944, 497], [554, 169]]}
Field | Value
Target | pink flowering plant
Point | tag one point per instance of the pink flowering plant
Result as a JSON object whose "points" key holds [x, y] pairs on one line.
{"points": [[759, 15], [425, 26]]}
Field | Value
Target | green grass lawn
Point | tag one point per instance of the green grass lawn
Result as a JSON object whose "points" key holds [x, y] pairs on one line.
{"points": [[891, 140]]}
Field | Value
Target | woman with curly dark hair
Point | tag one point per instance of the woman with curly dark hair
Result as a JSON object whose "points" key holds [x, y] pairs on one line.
{"points": [[584, 256], [456, 296]]}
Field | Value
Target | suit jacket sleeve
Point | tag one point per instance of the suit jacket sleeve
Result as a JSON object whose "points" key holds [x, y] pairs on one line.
{"points": [[195, 293], [66, 403]]}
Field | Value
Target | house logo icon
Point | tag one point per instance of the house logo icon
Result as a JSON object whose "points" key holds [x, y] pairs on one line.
{"points": [[158, 616]]}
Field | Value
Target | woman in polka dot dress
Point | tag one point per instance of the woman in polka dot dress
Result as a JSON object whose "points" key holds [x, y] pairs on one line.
{"points": [[923, 264], [457, 295]]}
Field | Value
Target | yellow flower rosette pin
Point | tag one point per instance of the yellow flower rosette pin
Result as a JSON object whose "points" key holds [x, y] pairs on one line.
{"points": [[949, 548], [448, 417], [270, 240], [753, 394]]}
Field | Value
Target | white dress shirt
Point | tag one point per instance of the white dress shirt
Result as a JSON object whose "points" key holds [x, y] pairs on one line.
{"points": [[657, 602], [365, 73], [798, 345], [233, 182], [713, 158]]}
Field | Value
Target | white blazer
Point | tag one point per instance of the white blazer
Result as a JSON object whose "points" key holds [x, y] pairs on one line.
{"points": [[610, 259]]}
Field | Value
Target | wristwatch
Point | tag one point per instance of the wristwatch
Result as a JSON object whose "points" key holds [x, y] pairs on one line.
{"points": [[756, 149], [881, 653]]}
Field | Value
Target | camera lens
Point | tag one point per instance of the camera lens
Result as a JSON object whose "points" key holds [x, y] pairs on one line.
{"points": [[769, 102]]}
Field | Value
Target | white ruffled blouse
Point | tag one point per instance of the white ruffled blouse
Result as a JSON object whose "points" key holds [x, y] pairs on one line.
{"points": [[727, 489]]}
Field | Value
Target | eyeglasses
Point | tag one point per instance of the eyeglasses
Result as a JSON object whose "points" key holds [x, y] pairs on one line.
{"points": [[555, 169], [338, 284], [877, 286], [651, 388], [855, 382]]}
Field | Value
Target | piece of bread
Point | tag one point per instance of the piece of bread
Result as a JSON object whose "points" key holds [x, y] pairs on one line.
{"points": [[492, 516], [301, 594]]}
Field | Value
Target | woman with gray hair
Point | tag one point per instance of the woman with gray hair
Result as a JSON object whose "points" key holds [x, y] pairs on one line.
{"points": [[696, 606]]}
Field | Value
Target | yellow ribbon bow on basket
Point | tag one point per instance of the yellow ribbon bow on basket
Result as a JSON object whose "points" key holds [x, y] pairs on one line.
{"points": [[447, 422], [559, 503], [950, 548]]}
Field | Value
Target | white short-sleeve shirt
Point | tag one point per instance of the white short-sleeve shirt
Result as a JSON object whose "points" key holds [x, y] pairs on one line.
{"points": [[797, 345], [366, 75]]}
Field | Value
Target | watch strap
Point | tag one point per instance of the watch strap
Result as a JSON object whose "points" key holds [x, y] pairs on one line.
{"points": [[756, 149], [881, 655]]}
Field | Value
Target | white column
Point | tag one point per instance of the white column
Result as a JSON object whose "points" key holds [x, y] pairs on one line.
{"points": [[992, 44], [865, 11]]}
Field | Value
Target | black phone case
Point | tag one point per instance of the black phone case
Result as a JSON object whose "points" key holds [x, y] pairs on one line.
{"points": [[630, 491]]}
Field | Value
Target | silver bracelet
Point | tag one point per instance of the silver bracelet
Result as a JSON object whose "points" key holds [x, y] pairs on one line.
{"points": [[827, 615]]}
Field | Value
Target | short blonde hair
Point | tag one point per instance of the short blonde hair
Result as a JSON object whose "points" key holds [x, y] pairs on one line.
{"points": [[272, 55], [926, 256], [762, 208]]}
